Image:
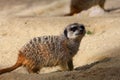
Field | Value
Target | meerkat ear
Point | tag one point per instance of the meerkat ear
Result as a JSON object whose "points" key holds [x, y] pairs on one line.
{"points": [[65, 33]]}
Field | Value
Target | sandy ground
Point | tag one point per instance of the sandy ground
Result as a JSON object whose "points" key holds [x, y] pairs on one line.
{"points": [[25, 19]]}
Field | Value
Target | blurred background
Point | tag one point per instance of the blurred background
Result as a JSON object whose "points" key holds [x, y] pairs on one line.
{"points": [[33, 7], [44, 7]]}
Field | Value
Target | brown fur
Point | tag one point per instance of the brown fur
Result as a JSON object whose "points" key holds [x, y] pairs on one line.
{"points": [[48, 51], [77, 6], [18, 64]]}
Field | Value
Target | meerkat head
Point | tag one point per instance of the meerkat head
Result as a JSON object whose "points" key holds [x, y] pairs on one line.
{"points": [[74, 31]]}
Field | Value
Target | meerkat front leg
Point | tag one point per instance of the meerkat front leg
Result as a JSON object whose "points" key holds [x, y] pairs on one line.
{"points": [[70, 65], [102, 4], [64, 66], [67, 66]]}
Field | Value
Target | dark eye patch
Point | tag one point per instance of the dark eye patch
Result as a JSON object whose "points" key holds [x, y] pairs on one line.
{"points": [[73, 29]]}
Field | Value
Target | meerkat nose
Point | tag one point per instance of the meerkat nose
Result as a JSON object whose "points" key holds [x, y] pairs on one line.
{"points": [[82, 27]]}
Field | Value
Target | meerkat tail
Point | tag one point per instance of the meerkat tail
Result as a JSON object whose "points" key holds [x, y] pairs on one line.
{"points": [[16, 65]]}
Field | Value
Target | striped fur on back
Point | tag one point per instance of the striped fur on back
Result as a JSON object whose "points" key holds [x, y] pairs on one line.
{"points": [[46, 50]]}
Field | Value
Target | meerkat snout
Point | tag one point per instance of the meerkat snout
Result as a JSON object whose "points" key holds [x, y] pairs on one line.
{"points": [[74, 31], [82, 29]]}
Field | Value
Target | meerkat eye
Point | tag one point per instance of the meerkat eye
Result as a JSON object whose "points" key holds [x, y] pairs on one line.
{"points": [[73, 29]]}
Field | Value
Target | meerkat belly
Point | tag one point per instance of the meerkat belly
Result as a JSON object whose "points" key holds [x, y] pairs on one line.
{"points": [[45, 50]]}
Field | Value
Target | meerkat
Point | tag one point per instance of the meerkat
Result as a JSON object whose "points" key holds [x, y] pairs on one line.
{"points": [[77, 6], [48, 51]]}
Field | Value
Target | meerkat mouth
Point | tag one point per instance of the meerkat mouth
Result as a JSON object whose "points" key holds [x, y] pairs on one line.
{"points": [[80, 32]]}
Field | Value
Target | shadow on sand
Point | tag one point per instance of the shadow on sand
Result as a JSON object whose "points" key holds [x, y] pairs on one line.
{"points": [[88, 66], [113, 9]]}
